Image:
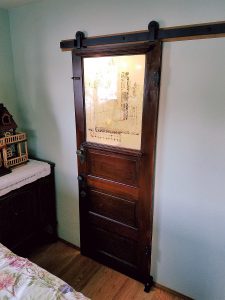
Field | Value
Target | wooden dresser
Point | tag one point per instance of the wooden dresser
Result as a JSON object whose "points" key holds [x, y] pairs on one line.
{"points": [[28, 214]]}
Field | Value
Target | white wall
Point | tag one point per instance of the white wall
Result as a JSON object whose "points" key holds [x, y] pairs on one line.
{"points": [[7, 81], [188, 241], [190, 171]]}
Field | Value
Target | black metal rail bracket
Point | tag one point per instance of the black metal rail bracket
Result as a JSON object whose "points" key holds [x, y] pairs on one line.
{"points": [[153, 28], [79, 39]]}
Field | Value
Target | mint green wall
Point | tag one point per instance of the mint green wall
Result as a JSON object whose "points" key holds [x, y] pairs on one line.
{"points": [[7, 81], [188, 238]]}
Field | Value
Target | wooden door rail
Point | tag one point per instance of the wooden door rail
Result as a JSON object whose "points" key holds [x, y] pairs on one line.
{"points": [[188, 32]]}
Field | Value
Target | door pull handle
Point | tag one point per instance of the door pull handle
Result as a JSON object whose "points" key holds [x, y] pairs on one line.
{"points": [[80, 153]]}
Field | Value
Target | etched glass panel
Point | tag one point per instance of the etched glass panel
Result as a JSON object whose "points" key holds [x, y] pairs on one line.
{"points": [[114, 89]]}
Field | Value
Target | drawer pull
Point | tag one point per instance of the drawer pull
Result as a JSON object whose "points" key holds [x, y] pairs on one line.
{"points": [[17, 213]]}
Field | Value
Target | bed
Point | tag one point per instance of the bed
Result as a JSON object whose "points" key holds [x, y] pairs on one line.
{"points": [[22, 279]]}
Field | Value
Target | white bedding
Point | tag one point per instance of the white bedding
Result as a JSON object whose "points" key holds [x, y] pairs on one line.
{"points": [[21, 279]]}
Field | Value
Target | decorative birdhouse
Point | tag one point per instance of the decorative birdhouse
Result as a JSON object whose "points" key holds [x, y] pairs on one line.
{"points": [[13, 145]]}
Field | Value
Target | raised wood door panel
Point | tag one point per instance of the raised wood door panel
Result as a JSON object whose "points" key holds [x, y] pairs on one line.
{"points": [[112, 166], [113, 207], [115, 180], [112, 199]]}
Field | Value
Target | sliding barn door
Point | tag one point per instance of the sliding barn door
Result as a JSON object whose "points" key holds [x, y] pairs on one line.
{"points": [[116, 103]]}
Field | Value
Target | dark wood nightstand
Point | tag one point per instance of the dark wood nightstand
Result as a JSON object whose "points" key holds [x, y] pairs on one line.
{"points": [[28, 215]]}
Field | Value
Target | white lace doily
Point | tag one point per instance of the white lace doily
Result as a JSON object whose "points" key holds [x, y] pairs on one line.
{"points": [[23, 174]]}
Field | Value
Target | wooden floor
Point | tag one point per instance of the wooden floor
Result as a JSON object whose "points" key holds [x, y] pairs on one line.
{"points": [[91, 278]]}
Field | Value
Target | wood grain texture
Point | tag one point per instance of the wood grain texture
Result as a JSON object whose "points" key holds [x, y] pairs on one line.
{"points": [[116, 186], [119, 209], [112, 166], [93, 279], [130, 192]]}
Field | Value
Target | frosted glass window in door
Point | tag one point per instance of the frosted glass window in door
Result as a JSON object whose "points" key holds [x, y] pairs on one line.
{"points": [[114, 89]]}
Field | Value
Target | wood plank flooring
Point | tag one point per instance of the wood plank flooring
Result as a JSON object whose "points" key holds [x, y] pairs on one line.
{"points": [[91, 278]]}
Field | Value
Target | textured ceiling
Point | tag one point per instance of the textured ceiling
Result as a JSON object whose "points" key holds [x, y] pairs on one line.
{"points": [[14, 3]]}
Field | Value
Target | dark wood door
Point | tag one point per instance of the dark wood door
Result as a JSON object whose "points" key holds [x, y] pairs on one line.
{"points": [[116, 164]]}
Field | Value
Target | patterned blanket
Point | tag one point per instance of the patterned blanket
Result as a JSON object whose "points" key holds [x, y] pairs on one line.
{"points": [[22, 279]]}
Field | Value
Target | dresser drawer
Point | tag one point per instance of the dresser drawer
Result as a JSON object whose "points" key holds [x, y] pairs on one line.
{"points": [[18, 216]]}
